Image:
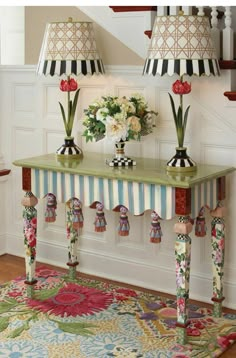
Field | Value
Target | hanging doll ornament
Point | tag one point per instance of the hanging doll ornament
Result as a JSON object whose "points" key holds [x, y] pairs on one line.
{"points": [[77, 217], [200, 226], [51, 205], [123, 227], [155, 229], [100, 221]]}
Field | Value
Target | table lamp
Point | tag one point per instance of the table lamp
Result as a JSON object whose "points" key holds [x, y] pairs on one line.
{"points": [[181, 45], [69, 48]]}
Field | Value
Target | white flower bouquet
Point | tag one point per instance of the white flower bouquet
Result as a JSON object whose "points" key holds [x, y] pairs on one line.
{"points": [[118, 119]]}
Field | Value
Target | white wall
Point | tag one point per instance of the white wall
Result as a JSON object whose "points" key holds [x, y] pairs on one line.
{"points": [[31, 125], [12, 35]]}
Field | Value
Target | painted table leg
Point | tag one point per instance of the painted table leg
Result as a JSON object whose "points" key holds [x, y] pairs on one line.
{"points": [[30, 231], [74, 224], [183, 259], [218, 250]]}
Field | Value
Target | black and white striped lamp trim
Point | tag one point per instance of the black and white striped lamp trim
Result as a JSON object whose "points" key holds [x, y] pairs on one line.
{"points": [[76, 67], [181, 67]]}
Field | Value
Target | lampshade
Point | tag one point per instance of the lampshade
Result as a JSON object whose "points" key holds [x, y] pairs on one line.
{"points": [[182, 45], [69, 48]]}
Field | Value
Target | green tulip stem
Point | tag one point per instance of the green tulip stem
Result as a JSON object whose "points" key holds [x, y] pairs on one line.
{"points": [[181, 140], [68, 132]]}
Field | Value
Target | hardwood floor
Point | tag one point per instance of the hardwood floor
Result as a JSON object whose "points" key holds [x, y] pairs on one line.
{"points": [[13, 266]]}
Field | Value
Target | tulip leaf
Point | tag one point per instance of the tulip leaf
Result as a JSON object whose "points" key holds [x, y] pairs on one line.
{"points": [[186, 118], [173, 108], [72, 109], [63, 115]]}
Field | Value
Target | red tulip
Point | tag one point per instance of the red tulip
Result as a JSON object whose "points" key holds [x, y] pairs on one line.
{"points": [[180, 87], [73, 84], [68, 86], [64, 86]]}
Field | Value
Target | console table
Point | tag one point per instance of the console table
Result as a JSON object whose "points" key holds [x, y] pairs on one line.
{"points": [[146, 186]]}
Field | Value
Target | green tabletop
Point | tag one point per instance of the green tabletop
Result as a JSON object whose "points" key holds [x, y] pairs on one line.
{"points": [[146, 171]]}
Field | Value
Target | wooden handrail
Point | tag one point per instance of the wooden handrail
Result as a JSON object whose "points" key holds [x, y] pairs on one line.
{"points": [[227, 64], [133, 8], [231, 95], [148, 33], [4, 172]]}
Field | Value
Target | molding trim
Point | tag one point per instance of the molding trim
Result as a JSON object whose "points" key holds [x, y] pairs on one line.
{"points": [[18, 68], [109, 69], [3, 244]]}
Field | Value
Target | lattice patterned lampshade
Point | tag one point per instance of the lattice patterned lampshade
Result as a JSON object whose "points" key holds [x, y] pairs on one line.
{"points": [[69, 48], [182, 45]]}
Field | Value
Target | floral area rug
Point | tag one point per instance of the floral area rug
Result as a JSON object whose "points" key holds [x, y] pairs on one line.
{"points": [[88, 318]]}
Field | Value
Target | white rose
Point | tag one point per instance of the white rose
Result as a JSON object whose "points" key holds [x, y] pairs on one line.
{"points": [[101, 114]]}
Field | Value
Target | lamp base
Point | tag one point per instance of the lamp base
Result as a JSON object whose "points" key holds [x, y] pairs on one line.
{"points": [[181, 162], [69, 149]]}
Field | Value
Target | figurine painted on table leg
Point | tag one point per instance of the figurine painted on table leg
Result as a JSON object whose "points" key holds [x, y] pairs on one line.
{"points": [[51, 205], [123, 228], [155, 229], [100, 221]]}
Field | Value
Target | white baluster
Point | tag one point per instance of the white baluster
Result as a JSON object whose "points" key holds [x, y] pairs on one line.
{"points": [[187, 10], [200, 11], [174, 10], [215, 32], [228, 42], [161, 10]]}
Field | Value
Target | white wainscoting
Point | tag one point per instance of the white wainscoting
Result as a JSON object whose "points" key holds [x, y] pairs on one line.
{"points": [[31, 124]]}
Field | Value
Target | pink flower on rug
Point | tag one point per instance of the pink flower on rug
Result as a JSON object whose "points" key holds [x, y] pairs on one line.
{"points": [[15, 294], [122, 294], [46, 272], [225, 341], [198, 325], [74, 300], [193, 332]]}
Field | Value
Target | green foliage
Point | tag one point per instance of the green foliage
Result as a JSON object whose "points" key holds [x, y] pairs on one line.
{"points": [[69, 121], [180, 120], [6, 306], [17, 332], [4, 322], [80, 328], [117, 112], [47, 293]]}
